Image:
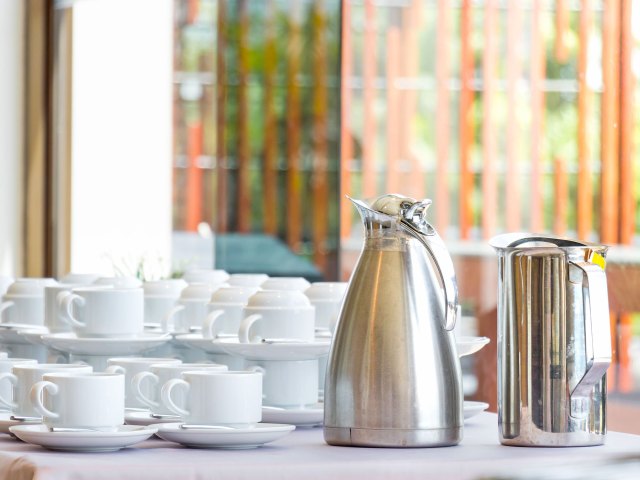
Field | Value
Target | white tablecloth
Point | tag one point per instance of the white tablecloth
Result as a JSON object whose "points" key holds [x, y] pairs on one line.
{"points": [[304, 455]]}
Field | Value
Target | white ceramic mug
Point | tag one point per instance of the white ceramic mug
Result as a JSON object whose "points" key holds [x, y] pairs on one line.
{"points": [[24, 376], [190, 310], [157, 376], [327, 298], [217, 398], [104, 312], [119, 282], [247, 279], [6, 364], [130, 367], [213, 278], [285, 283], [160, 296], [277, 315], [226, 310], [75, 278], [91, 400], [288, 383], [23, 303]]}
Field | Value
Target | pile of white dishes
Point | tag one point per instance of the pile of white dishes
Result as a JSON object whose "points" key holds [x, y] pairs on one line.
{"points": [[70, 407], [105, 321]]}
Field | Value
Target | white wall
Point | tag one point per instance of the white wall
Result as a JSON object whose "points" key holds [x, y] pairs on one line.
{"points": [[122, 133], [11, 134]]}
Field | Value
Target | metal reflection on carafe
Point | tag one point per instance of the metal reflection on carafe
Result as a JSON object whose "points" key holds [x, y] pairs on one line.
{"points": [[554, 343], [393, 376]]}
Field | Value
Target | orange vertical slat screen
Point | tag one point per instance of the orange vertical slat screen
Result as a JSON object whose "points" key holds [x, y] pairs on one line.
{"points": [[465, 135], [320, 185], [412, 176], [443, 39], [537, 115], [489, 146], [369, 93], [561, 196], [270, 165], [393, 127], [221, 151], [346, 142], [293, 121], [514, 70], [562, 29], [585, 100], [244, 153], [194, 176], [609, 122], [627, 104]]}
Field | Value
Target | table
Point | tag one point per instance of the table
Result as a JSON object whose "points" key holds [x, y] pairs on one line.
{"points": [[304, 455]]}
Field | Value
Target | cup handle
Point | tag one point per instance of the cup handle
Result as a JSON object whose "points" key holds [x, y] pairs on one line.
{"points": [[136, 384], [4, 306], [66, 309], [245, 327], [209, 322], [14, 381], [165, 394], [166, 320], [35, 395], [115, 369]]}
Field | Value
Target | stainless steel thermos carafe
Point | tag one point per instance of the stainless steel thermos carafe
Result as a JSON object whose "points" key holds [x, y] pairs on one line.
{"points": [[554, 341], [393, 376]]}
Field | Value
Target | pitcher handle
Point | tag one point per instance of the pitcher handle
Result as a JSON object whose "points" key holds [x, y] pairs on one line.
{"points": [[597, 328], [444, 265]]}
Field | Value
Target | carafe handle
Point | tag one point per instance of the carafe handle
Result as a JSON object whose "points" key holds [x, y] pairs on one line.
{"points": [[444, 265], [597, 329]]}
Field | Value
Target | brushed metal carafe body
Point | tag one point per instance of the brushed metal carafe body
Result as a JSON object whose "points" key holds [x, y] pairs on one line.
{"points": [[393, 375], [554, 343]]}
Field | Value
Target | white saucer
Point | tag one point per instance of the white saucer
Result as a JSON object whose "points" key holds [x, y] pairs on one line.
{"points": [[70, 343], [33, 336], [300, 417], [6, 421], [236, 438], [88, 441], [471, 409], [144, 418], [470, 345], [277, 350], [13, 332], [195, 340]]}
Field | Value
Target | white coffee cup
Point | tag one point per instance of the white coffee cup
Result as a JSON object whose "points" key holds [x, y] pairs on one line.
{"points": [[6, 364], [160, 296], [119, 282], [23, 303], [91, 400], [104, 312], [327, 298], [214, 278], [24, 376], [190, 310], [75, 278], [285, 283], [247, 279], [288, 383], [277, 315], [157, 376], [226, 311], [231, 399], [130, 367]]}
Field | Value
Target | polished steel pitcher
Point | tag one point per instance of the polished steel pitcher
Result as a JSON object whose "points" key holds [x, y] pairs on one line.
{"points": [[393, 376], [554, 341]]}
